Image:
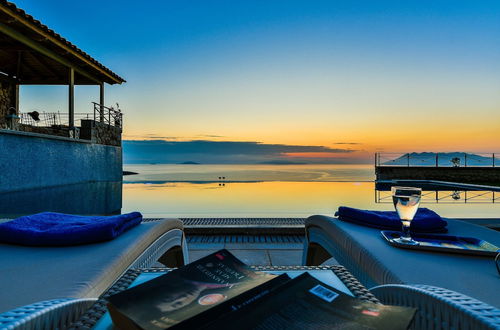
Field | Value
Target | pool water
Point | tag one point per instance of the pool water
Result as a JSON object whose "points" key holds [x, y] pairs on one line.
{"points": [[287, 199]]}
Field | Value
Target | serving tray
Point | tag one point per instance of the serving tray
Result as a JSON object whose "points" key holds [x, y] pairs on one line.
{"points": [[444, 243]]}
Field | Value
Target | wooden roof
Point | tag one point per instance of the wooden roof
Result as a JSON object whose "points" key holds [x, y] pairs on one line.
{"points": [[31, 53]]}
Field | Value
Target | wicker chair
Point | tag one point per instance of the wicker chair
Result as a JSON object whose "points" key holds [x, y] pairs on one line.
{"points": [[439, 308], [391, 273], [56, 304]]}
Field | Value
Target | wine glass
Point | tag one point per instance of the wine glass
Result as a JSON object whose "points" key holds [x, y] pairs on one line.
{"points": [[406, 201]]}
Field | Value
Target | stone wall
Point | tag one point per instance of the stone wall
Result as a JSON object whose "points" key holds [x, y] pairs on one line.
{"points": [[44, 130], [477, 175], [30, 160], [7, 100], [101, 133]]}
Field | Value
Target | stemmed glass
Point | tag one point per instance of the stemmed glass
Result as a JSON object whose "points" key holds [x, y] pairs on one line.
{"points": [[406, 201]]}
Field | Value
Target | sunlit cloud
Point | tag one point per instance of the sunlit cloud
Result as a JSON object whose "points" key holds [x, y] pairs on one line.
{"points": [[348, 143], [331, 154]]}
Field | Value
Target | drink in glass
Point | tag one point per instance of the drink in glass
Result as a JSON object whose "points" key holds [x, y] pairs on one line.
{"points": [[406, 201]]}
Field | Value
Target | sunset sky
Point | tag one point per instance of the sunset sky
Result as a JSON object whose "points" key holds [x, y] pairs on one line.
{"points": [[322, 79]]}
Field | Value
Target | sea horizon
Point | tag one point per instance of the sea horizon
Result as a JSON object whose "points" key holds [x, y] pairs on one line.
{"points": [[248, 173]]}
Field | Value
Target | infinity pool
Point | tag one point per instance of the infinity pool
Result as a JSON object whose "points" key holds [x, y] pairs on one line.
{"points": [[242, 191]]}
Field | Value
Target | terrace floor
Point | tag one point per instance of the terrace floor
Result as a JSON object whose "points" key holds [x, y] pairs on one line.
{"points": [[262, 250], [259, 241]]}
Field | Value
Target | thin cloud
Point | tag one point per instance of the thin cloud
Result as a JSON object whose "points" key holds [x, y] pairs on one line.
{"points": [[207, 151], [348, 143], [210, 136]]}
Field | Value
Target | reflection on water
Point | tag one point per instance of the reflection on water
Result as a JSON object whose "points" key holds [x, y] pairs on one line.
{"points": [[270, 199], [164, 173], [236, 191], [95, 198], [444, 193]]}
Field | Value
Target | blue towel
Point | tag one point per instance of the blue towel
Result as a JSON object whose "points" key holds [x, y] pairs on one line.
{"points": [[57, 229], [425, 221]]}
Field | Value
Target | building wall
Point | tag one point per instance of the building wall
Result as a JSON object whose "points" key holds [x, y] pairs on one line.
{"points": [[30, 160]]}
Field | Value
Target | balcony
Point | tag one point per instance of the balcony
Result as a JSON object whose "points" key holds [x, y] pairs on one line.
{"points": [[102, 126]]}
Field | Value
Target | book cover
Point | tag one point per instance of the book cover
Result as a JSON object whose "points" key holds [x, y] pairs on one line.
{"points": [[191, 295], [306, 303]]}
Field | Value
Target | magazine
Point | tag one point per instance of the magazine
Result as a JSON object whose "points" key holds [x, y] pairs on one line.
{"points": [[191, 295], [307, 303], [220, 292]]}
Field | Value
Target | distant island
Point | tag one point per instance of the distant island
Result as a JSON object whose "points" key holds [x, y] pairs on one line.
{"points": [[281, 162], [189, 163], [443, 158], [129, 173]]}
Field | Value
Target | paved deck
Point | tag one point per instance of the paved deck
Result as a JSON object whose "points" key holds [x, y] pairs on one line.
{"points": [[259, 250]]}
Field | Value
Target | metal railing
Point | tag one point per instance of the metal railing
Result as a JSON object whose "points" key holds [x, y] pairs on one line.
{"points": [[430, 159], [446, 197], [50, 119], [108, 115], [103, 114]]}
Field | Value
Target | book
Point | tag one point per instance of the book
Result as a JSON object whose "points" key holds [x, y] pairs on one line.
{"points": [[191, 295], [221, 292], [307, 303]]}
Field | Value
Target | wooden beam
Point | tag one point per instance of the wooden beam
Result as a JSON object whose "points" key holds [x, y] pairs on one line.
{"points": [[41, 49], [71, 98], [58, 42]]}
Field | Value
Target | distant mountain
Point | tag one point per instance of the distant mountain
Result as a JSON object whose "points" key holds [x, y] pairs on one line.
{"points": [[281, 162], [189, 163], [449, 159]]}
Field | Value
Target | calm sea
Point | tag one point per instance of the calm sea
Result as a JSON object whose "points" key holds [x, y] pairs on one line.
{"points": [[277, 191], [239, 191]]}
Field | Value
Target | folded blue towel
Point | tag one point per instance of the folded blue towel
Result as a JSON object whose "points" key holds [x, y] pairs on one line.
{"points": [[425, 221], [57, 229]]}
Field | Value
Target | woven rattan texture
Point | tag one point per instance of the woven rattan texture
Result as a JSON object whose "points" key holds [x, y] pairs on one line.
{"points": [[245, 239], [188, 222], [89, 319]]}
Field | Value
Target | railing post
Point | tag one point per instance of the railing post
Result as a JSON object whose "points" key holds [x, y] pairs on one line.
{"points": [[437, 159], [493, 160], [465, 159], [408, 159]]}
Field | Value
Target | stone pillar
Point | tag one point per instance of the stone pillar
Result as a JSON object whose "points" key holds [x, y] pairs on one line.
{"points": [[7, 101]]}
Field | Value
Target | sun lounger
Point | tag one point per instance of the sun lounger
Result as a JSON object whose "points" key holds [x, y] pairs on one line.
{"points": [[439, 308], [36, 279], [392, 273]]}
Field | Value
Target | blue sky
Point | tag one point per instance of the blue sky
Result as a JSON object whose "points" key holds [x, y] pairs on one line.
{"points": [[384, 74]]}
